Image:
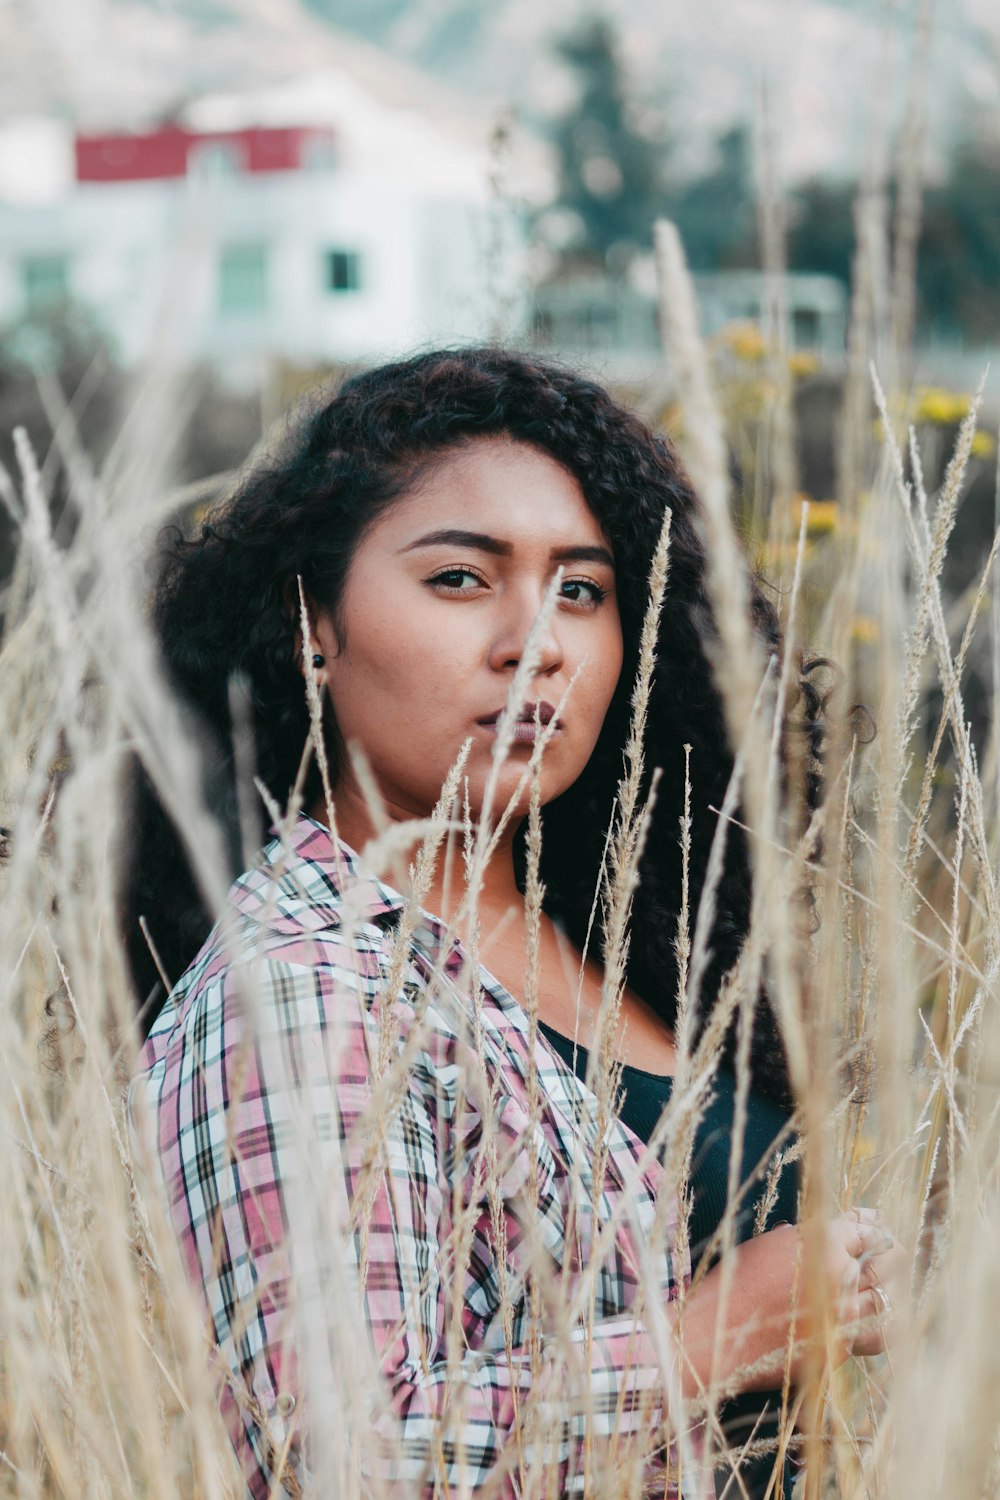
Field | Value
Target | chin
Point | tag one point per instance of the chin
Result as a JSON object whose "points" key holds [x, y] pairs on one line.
{"points": [[554, 781]]}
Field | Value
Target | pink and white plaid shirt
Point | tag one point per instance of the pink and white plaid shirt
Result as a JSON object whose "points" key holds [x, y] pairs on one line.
{"points": [[333, 1238]]}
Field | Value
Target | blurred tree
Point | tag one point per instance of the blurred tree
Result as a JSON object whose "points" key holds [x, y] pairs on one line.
{"points": [[615, 176], [611, 170], [958, 265], [958, 275], [821, 237], [716, 213]]}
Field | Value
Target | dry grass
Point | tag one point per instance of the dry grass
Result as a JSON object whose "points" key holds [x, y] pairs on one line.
{"points": [[105, 1385]]}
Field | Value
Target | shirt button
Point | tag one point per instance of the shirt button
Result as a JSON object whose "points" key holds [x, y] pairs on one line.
{"points": [[285, 1404]]}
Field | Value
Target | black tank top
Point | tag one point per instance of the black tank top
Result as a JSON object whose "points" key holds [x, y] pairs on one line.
{"points": [[643, 1096]]}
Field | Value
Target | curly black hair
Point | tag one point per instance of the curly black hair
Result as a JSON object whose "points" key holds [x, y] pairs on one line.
{"points": [[225, 606]]}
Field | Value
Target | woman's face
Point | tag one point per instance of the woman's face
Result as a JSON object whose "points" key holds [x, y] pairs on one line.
{"points": [[439, 602]]}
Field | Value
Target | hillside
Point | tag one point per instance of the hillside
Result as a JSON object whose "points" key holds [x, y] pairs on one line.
{"points": [[132, 60]]}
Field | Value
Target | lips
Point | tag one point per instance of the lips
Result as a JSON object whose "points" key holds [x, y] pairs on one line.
{"points": [[544, 712]]}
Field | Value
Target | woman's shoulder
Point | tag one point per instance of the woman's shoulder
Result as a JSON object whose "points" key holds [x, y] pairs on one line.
{"points": [[308, 924]]}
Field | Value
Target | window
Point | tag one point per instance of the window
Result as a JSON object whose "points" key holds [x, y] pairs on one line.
{"points": [[212, 160], [319, 153], [343, 271], [45, 279], [805, 328], [243, 279]]}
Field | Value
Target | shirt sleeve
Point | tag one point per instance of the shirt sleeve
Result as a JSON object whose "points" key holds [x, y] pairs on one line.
{"points": [[361, 1266]]}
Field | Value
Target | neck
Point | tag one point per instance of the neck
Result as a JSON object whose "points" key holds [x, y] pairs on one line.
{"points": [[498, 890]]}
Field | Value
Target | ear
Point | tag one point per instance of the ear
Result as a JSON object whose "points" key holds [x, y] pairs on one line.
{"points": [[303, 611], [315, 655]]}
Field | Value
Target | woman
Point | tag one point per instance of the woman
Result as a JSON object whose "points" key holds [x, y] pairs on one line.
{"points": [[410, 1085]]}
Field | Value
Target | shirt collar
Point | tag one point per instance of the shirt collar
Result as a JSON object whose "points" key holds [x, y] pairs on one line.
{"points": [[307, 881]]}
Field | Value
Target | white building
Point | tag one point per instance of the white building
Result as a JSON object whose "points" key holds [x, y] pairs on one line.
{"points": [[589, 313], [310, 222]]}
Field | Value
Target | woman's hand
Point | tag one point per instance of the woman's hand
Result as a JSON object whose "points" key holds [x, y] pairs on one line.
{"points": [[786, 1292], [876, 1280]]}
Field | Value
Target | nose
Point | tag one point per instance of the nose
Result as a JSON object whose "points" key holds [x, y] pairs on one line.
{"points": [[514, 635]]}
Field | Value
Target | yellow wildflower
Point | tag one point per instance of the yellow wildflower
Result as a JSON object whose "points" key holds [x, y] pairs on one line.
{"points": [[745, 341], [944, 408], [823, 515], [804, 362], [864, 629], [984, 444]]}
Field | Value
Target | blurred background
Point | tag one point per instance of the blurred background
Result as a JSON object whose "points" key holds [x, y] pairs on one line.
{"points": [[212, 209], [260, 194]]}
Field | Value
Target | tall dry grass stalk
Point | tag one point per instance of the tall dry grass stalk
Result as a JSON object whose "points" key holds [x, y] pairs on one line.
{"points": [[889, 1007], [909, 201], [895, 992], [776, 480]]}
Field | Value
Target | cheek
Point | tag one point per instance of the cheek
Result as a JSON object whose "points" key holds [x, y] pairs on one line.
{"points": [[596, 686], [610, 666], [389, 664]]}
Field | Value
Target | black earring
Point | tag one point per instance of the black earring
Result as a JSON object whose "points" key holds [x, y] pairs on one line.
{"points": [[319, 661]]}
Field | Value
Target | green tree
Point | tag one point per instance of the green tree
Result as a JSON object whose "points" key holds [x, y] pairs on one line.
{"points": [[958, 272], [958, 263], [611, 171], [822, 236], [716, 213], [615, 174]]}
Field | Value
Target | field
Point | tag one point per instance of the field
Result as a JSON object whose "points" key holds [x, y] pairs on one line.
{"points": [[889, 1006]]}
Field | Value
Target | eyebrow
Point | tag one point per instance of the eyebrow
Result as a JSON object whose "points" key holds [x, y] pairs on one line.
{"points": [[479, 541]]}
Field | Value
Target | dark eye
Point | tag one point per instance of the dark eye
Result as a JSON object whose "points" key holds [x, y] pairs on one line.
{"points": [[583, 591], [454, 580]]}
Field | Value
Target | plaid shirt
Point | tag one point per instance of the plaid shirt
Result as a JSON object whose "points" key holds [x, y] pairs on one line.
{"points": [[255, 1095]]}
